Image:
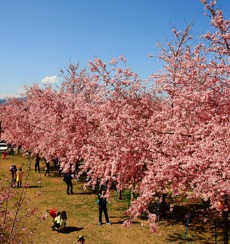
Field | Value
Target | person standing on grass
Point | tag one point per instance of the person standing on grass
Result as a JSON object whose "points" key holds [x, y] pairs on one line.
{"points": [[68, 181], [47, 167], [19, 175], [4, 155], [102, 202], [13, 170], [37, 163]]}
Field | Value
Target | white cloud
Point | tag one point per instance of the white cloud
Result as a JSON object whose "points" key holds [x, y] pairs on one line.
{"points": [[49, 80]]}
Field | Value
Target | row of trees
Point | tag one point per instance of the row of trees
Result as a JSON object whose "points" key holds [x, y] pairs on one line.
{"points": [[170, 137]]}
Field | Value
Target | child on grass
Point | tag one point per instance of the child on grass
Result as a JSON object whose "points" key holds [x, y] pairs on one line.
{"points": [[19, 175], [60, 221]]}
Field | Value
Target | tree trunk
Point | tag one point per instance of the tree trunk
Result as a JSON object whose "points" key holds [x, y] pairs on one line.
{"points": [[225, 220], [163, 206]]}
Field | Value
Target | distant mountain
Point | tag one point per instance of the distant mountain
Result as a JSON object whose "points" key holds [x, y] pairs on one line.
{"points": [[2, 101]]}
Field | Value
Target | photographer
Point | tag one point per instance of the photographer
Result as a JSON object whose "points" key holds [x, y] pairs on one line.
{"points": [[102, 207], [68, 180]]}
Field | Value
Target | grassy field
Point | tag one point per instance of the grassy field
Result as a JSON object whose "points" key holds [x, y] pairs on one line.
{"points": [[46, 192]]}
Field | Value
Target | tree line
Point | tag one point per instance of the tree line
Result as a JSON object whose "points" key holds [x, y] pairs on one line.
{"points": [[170, 137]]}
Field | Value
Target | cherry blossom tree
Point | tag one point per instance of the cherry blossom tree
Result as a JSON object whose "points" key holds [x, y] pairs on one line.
{"points": [[171, 139], [196, 82]]}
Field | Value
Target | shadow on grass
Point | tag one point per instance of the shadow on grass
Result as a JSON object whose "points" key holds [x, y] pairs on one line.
{"points": [[56, 174], [180, 239], [70, 229], [85, 193], [33, 187], [120, 222], [123, 219], [191, 216]]}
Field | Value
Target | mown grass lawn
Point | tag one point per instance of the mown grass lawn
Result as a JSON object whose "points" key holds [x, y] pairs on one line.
{"points": [[46, 192]]}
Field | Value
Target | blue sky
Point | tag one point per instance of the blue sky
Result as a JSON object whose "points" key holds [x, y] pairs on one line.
{"points": [[37, 37]]}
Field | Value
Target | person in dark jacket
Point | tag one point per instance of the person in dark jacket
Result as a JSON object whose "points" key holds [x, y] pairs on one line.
{"points": [[13, 170], [37, 163], [47, 167], [102, 202], [68, 181]]}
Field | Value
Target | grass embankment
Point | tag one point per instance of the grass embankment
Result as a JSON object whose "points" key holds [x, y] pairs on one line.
{"points": [[46, 192]]}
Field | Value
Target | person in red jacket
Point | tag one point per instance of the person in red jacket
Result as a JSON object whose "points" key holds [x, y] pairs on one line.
{"points": [[4, 155]]}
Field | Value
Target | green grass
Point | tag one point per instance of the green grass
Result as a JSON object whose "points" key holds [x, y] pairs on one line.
{"points": [[46, 192]]}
